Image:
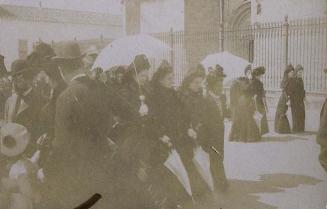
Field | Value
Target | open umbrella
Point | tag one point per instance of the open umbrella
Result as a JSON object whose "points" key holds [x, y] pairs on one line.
{"points": [[123, 51], [234, 66], [176, 166]]}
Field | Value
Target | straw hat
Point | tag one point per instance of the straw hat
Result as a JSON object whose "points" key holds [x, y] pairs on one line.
{"points": [[14, 139]]}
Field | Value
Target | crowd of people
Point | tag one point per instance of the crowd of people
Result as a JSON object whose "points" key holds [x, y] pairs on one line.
{"points": [[70, 131]]}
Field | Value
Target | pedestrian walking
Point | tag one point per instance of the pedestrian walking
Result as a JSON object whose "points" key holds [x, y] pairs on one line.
{"points": [[171, 123], [80, 154], [132, 161], [297, 101], [25, 104], [214, 139], [260, 98], [5, 87], [244, 127], [322, 134], [282, 124], [206, 129]]}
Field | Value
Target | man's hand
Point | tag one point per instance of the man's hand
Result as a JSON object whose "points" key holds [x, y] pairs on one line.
{"points": [[43, 140], [192, 133], [166, 140], [142, 175]]}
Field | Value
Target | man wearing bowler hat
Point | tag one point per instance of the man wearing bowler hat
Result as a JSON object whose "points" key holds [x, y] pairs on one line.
{"points": [[322, 134], [78, 165], [24, 105], [5, 86]]}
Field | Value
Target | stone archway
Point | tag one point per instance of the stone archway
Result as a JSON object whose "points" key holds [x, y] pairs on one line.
{"points": [[241, 16], [238, 38]]}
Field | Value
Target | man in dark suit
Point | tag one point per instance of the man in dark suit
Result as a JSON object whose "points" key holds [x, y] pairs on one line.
{"points": [[322, 135], [24, 105], [79, 165]]}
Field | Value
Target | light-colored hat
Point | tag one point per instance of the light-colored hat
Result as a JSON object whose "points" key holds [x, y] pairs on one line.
{"points": [[92, 51], [14, 139]]}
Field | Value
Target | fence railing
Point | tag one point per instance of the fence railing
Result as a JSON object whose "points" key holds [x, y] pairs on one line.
{"points": [[272, 45]]}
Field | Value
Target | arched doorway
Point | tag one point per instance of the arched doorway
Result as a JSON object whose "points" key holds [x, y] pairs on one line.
{"points": [[238, 36]]}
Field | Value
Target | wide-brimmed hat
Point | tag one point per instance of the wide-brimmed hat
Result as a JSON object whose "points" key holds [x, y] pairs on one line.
{"points": [[299, 68], [44, 50], [258, 71], [67, 51], [140, 63], [19, 67], [289, 69], [14, 139], [217, 71]]}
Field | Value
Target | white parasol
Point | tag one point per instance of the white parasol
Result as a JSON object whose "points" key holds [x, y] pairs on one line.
{"points": [[123, 51], [234, 66]]}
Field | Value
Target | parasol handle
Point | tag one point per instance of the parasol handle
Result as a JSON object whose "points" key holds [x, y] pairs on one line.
{"points": [[137, 79]]}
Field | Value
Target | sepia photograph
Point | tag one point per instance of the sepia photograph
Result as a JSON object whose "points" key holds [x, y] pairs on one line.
{"points": [[163, 104]]}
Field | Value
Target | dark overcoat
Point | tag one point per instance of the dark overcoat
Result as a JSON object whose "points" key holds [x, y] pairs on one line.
{"points": [[78, 167], [297, 105], [25, 110], [282, 124], [322, 136], [206, 118]]}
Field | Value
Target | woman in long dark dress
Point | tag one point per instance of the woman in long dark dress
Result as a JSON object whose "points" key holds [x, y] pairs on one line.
{"points": [[171, 124], [206, 120], [244, 127], [260, 98], [297, 102], [282, 124], [131, 163]]}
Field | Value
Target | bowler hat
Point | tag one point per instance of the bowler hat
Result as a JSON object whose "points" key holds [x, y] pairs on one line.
{"points": [[14, 139], [19, 67], [258, 71], [45, 50], [67, 51]]}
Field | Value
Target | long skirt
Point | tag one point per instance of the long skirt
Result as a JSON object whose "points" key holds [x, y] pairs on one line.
{"points": [[282, 124], [244, 127], [298, 115], [264, 128]]}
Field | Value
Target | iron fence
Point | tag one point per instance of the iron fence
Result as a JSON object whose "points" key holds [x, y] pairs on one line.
{"points": [[272, 45]]}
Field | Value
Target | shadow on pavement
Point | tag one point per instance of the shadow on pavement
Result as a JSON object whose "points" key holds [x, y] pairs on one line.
{"points": [[243, 194], [286, 137]]}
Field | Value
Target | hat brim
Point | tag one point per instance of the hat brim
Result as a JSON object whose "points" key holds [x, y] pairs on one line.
{"points": [[65, 59], [14, 74], [21, 136]]}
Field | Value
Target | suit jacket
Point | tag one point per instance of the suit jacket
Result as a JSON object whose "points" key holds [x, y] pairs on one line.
{"points": [[25, 110]]}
